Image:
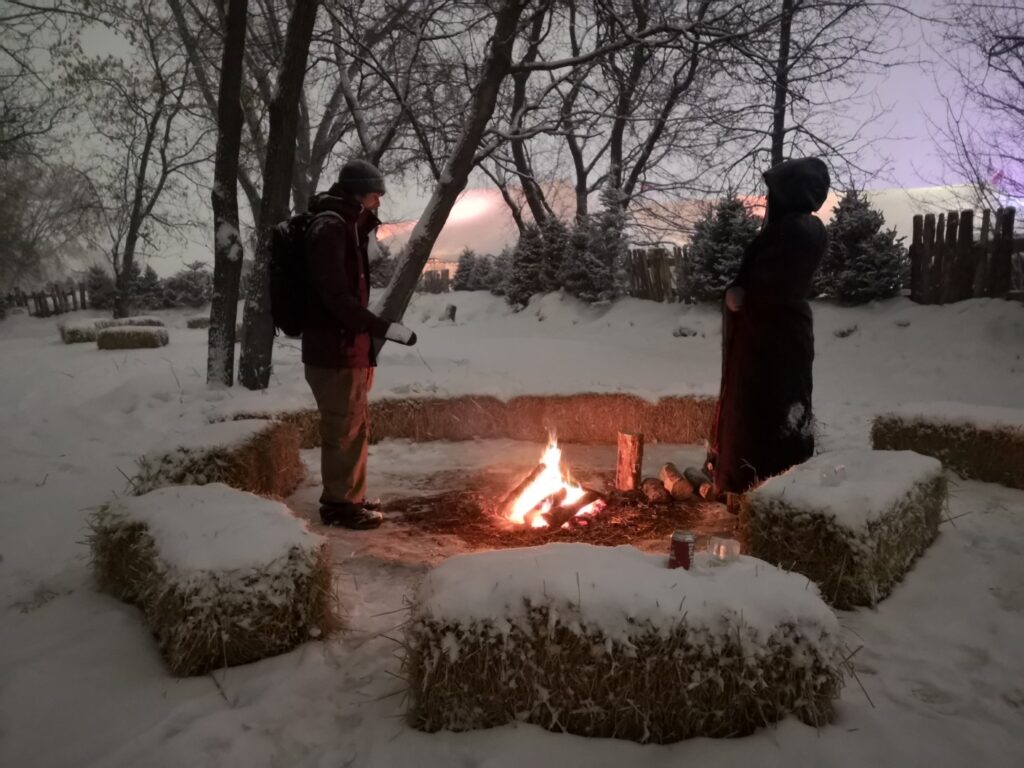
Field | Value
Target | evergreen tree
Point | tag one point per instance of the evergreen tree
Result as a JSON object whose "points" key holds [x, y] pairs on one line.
{"points": [[500, 273], [584, 274], [147, 291], [99, 284], [191, 287], [555, 242], [465, 274], [863, 261], [382, 266], [608, 250], [527, 258], [480, 277], [716, 250]]}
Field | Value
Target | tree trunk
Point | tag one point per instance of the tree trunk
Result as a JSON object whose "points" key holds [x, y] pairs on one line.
{"points": [[524, 169], [630, 459], [782, 83], [255, 360], [456, 170], [227, 244]]}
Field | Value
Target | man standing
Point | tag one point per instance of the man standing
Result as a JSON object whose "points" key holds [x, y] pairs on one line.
{"points": [[337, 349]]}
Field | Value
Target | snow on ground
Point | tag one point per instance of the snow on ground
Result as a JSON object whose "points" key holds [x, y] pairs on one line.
{"points": [[81, 683]]}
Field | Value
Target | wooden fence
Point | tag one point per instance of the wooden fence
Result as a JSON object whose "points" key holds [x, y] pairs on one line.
{"points": [[657, 274], [947, 264], [57, 299]]}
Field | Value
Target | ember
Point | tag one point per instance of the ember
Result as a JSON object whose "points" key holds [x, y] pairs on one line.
{"points": [[548, 497]]}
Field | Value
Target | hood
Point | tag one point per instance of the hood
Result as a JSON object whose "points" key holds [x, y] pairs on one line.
{"points": [[796, 186]]}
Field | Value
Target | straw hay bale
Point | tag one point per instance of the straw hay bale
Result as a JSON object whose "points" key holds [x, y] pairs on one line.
{"points": [[199, 321], [223, 577], [609, 642], [306, 421], [131, 337], [855, 537], [139, 320], [77, 331], [250, 455], [982, 443]]}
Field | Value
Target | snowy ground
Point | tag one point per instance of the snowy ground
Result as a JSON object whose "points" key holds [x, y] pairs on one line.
{"points": [[81, 683]]}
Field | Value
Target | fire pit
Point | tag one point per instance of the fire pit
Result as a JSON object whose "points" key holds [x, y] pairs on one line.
{"points": [[496, 508]]}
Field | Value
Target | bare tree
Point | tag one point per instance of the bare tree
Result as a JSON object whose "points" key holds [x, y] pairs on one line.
{"points": [[227, 241], [984, 128], [136, 106]]}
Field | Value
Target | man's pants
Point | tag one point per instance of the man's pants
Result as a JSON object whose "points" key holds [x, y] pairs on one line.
{"points": [[341, 397]]}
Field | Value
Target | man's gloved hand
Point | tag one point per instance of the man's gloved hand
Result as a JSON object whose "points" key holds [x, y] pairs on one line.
{"points": [[399, 333]]}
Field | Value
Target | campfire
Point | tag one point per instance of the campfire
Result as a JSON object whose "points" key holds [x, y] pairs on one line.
{"points": [[548, 497]]}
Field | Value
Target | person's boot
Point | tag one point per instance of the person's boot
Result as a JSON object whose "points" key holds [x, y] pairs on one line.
{"points": [[346, 514]]}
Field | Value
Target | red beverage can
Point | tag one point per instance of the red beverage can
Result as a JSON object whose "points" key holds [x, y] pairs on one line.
{"points": [[680, 554]]}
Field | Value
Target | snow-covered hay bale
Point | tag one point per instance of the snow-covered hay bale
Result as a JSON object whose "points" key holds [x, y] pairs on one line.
{"points": [[77, 331], [982, 443], [250, 455], [223, 577], [305, 420], [131, 337], [609, 642], [199, 321], [148, 321], [851, 521], [583, 418]]}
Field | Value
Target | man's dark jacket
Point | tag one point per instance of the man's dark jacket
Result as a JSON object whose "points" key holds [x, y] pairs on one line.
{"points": [[338, 325], [764, 423]]}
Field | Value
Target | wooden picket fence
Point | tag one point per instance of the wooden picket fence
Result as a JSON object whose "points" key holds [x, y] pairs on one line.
{"points": [[947, 264], [57, 299], [657, 274]]}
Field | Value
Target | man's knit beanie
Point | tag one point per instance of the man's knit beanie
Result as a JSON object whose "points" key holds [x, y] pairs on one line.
{"points": [[359, 177]]}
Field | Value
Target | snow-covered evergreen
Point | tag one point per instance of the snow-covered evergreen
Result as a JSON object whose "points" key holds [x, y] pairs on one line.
{"points": [[719, 239], [100, 285], [191, 287], [864, 262], [555, 237], [527, 258], [465, 276]]}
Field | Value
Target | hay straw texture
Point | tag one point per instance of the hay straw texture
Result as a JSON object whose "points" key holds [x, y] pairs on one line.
{"points": [[255, 455], [856, 536], [982, 443], [148, 321], [199, 321], [223, 577], [78, 331], [131, 337], [305, 420], [609, 642]]}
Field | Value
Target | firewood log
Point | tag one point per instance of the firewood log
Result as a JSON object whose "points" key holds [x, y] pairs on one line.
{"points": [[677, 485], [559, 516], [523, 484], [655, 491]]}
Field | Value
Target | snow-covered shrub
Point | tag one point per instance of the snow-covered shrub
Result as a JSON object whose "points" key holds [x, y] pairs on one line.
{"points": [[719, 239], [131, 337], [198, 322], [863, 261], [982, 443], [222, 577], [851, 521], [147, 290], [191, 287], [250, 455], [609, 642]]}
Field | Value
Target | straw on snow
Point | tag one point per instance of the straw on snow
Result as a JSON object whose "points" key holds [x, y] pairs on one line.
{"points": [[852, 521], [131, 337], [608, 642]]}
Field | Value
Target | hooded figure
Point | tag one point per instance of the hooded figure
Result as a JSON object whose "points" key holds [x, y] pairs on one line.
{"points": [[763, 424]]}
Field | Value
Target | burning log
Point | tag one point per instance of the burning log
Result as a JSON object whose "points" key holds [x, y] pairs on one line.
{"points": [[559, 516], [630, 460], [655, 491], [525, 483], [677, 485]]}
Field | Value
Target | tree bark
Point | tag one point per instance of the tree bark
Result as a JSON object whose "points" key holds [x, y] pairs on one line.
{"points": [[227, 243], [456, 170], [630, 459], [782, 68], [255, 361]]}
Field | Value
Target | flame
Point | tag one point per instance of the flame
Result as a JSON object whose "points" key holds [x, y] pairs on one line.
{"points": [[532, 504]]}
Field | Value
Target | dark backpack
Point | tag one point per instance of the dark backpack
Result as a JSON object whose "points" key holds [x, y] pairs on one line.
{"points": [[288, 272]]}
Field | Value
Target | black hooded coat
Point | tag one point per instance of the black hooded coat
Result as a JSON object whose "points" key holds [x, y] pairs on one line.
{"points": [[764, 423]]}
